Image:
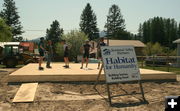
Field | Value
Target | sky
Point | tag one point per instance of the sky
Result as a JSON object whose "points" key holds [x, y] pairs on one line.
{"points": [[37, 15]]}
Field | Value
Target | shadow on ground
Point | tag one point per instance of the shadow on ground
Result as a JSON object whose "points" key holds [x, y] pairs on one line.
{"points": [[121, 105]]}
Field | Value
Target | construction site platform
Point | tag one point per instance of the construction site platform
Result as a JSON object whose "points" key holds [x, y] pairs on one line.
{"points": [[58, 73]]}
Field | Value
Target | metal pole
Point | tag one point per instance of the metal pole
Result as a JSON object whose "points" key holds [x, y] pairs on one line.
{"points": [[141, 88], [107, 41], [142, 62], [153, 63], [109, 94], [167, 62]]}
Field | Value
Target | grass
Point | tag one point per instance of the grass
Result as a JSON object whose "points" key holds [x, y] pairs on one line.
{"points": [[171, 69], [161, 68], [2, 66], [18, 66]]}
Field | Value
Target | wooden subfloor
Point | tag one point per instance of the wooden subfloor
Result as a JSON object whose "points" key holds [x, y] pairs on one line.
{"points": [[30, 73]]}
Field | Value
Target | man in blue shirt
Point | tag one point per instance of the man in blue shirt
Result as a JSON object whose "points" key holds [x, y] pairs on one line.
{"points": [[49, 51], [41, 52]]}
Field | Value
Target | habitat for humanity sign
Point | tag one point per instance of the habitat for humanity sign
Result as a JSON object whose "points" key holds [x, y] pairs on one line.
{"points": [[120, 63]]}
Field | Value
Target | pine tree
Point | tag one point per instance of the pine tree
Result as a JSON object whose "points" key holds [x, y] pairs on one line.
{"points": [[10, 14], [160, 30], [140, 33], [88, 23], [145, 33], [179, 31], [5, 32], [157, 32], [115, 22], [54, 33], [173, 35]]}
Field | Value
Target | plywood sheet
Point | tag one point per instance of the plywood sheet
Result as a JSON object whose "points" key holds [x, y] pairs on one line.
{"points": [[26, 93], [30, 73]]}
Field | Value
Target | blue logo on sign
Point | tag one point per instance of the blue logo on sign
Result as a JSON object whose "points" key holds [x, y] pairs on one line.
{"points": [[106, 52]]}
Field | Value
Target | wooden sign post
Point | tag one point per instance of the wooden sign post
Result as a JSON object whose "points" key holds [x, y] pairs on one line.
{"points": [[120, 65]]}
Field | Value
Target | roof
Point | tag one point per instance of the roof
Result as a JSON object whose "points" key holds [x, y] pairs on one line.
{"points": [[177, 41], [9, 43], [135, 43], [30, 45]]}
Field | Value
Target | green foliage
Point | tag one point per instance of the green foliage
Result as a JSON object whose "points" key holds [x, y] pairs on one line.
{"points": [[153, 49], [123, 35], [115, 24], [178, 31], [75, 39], [158, 49], [59, 50], [5, 32], [161, 30], [140, 33], [88, 23], [173, 52], [54, 34], [148, 50], [10, 15]]}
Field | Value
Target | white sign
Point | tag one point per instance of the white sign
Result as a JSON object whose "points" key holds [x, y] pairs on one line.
{"points": [[120, 63]]}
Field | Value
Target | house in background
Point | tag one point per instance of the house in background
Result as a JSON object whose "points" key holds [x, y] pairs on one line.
{"points": [[178, 51], [138, 45], [27, 46]]}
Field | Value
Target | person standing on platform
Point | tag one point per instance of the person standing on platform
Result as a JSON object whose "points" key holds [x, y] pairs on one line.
{"points": [[99, 55], [66, 54], [49, 53], [41, 52], [86, 50]]}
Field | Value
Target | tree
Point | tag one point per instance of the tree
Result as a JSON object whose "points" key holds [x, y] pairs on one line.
{"points": [[161, 30], [179, 31], [170, 32], [10, 15], [115, 22], [5, 32], [88, 23], [54, 34], [145, 33], [153, 49], [75, 39], [140, 33]]}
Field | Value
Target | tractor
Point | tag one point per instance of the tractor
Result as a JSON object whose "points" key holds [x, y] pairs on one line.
{"points": [[11, 56]]}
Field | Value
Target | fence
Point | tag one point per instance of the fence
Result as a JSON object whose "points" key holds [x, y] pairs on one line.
{"points": [[165, 63]]}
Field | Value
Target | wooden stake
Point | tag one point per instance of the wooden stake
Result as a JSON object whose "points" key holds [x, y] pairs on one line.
{"points": [[99, 74]]}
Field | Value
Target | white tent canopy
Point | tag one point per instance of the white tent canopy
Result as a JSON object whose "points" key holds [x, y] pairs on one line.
{"points": [[178, 51], [8, 43], [177, 41]]}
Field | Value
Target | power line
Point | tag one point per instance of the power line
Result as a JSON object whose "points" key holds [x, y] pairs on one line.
{"points": [[34, 30]]}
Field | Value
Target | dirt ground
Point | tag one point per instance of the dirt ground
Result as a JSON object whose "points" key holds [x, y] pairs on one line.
{"points": [[82, 96]]}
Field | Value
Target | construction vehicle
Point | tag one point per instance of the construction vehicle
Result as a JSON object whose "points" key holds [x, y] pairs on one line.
{"points": [[11, 56]]}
